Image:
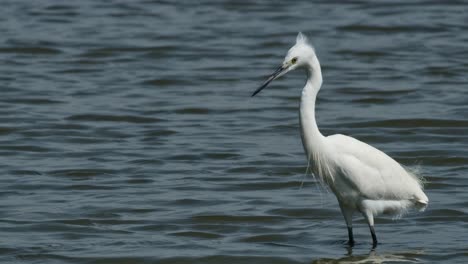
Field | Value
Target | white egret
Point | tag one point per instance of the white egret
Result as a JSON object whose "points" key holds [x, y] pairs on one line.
{"points": [[363, 178]]}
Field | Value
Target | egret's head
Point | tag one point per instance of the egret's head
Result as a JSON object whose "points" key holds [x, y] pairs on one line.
{"points": [[298, 56]]}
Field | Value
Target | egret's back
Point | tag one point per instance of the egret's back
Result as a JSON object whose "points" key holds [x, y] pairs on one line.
{"points": [[370, 174]]}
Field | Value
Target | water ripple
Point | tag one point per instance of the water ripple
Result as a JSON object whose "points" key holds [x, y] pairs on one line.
{"points": [[128, 134]]}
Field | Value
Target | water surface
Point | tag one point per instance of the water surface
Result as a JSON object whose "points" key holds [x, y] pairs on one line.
{"points": [[128, 135]]}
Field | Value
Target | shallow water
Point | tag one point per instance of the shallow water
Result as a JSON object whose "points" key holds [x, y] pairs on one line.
{"points": [[128, 135]]}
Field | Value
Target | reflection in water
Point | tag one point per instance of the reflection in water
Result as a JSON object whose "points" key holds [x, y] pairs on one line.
{"points": [[374, 257]]}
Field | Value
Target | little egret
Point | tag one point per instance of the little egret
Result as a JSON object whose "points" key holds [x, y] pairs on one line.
{"points": [[363, 178]]}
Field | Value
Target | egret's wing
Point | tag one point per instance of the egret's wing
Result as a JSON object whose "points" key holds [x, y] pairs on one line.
{"points": [[371, 172]]}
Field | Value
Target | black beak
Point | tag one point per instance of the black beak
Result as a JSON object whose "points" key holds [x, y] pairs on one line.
{"points": [[270, 79]]}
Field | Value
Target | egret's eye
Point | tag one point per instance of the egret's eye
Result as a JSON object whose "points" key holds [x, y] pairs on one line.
{"points": [[294, 60]]}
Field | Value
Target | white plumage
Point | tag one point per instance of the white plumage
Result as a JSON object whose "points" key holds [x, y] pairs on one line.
{"points": [[363, 178]]}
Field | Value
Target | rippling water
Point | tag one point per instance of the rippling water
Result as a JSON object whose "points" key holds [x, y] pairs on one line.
{"points": [[128, 135]]}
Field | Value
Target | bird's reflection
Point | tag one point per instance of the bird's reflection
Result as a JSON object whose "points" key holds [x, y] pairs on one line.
{"points": [[373, 257]]}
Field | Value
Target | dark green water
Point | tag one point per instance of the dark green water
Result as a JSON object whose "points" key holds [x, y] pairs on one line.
{"points": [[128, 135]]}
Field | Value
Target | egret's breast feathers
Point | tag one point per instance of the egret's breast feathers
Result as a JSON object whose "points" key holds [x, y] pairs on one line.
{"points": [[322, 167]]}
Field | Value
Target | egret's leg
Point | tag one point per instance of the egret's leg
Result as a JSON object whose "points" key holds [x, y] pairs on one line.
{"points": [[374, 237], [348, 216], [370, 220], [350, 236]]}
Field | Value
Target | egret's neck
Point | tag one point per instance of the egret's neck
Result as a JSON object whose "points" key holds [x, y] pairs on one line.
{"points": [[311, 136]]}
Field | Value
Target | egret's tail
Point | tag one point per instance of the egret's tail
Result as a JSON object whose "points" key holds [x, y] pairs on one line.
{"points": [[420, 200], [421, 204]]}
